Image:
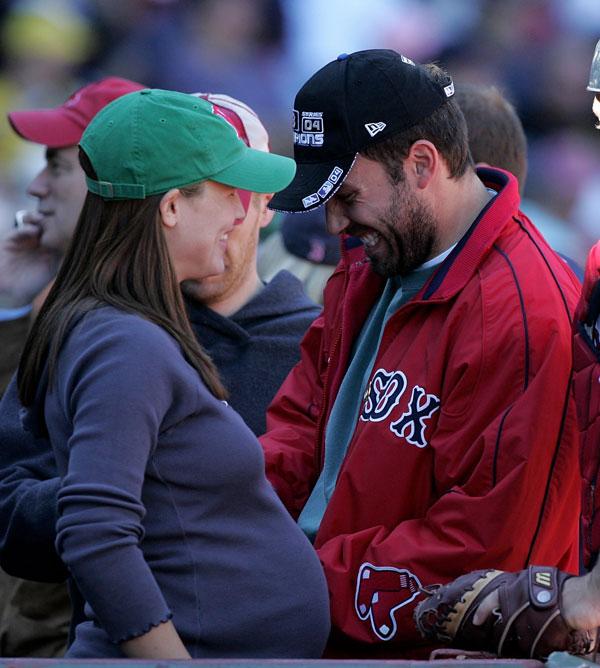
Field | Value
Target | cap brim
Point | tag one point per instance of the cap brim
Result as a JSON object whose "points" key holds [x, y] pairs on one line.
{"points": [[258, 172], [50, 127], [312, 186]]}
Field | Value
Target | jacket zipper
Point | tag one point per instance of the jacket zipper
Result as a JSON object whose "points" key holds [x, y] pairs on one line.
{"points": [[322, 419], [326, 385]]}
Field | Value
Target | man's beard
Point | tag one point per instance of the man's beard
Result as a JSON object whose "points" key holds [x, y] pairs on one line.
{"points": [[214, 289], [413, 228]]}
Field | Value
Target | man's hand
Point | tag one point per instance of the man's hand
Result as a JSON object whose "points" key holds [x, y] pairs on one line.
{"points": [[25, 266], [580, 602], [527, 614]]}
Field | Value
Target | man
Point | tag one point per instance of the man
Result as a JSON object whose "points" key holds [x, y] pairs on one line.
{"points": [[245, 326], [587, 380], [30, 255], [409, 441], [541, 610], [497, 137], [496, 134]]}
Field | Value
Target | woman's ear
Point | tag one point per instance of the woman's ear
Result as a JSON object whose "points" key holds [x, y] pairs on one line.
{"points": [[169, 207]]}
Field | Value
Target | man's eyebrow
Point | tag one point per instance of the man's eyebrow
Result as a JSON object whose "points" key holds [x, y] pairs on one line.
{"points": [[345, 191]]}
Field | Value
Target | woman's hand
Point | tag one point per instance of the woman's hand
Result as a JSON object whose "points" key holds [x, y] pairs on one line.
{"points": [[161, 642]]}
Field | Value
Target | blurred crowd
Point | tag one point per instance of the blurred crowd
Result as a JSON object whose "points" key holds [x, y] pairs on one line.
{"points": [[261, 51]]}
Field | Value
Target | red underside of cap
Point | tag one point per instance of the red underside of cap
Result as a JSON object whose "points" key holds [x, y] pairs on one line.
{"points": [[50, 127]]}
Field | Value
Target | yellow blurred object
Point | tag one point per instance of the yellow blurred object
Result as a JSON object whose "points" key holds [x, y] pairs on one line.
{"points": [[10, 142], [64, 36]]}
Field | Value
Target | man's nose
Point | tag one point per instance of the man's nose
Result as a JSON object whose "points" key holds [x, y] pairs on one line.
{"points": [[239, 208], [335, 217], [39, 186]]}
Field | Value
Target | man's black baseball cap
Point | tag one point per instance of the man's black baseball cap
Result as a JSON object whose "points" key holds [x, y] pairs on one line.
{"points": [[354, 101]]}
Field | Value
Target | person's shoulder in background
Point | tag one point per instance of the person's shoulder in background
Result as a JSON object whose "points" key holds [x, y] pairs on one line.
{"points": [[302, 246], [13, 333]]}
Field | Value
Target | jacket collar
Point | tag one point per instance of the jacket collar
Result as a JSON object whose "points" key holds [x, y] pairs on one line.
{"points": [[452, 276]]}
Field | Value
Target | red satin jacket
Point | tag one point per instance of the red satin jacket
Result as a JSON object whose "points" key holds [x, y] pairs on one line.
{"points": [[465, 452]]}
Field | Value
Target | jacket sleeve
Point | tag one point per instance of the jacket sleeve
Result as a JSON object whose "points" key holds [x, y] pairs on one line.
{"points": [[29, 486], [289, 443], [116, 385], [505, 485]]}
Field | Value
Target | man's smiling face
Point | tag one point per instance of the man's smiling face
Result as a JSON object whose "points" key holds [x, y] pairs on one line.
{"points": [[396, 228]]}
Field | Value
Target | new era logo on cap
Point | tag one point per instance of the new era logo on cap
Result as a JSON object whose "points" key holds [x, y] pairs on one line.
{"points": [[374, 128]]}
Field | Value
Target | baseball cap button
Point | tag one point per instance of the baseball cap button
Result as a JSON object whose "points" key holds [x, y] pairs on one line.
{"points": [[342, 56]]}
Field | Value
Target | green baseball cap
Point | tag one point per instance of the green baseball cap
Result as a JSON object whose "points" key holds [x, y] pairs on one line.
{"points": [[150, 141]]}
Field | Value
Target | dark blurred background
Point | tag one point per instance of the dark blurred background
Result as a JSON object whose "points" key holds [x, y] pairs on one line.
{"points": [[538, 52]]}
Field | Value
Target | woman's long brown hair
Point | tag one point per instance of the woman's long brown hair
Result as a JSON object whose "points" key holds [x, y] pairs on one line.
{"points": [[118, 256]]}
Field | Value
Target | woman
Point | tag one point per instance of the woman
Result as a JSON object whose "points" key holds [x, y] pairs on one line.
{"points": [[166, 521]]}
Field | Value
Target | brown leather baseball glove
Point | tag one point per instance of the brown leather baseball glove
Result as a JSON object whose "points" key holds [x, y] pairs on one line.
{"points": [[527, 623]]}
